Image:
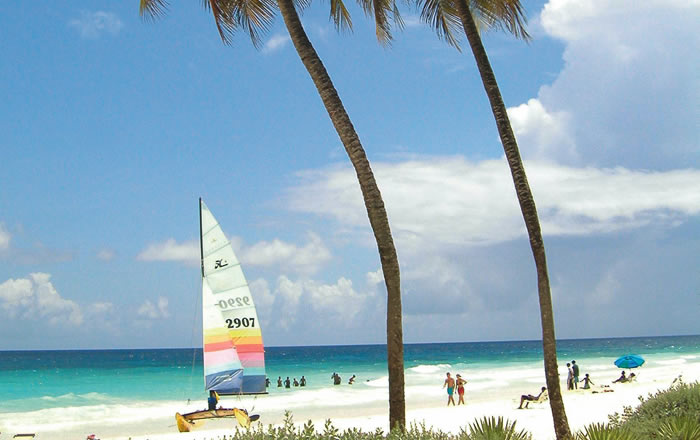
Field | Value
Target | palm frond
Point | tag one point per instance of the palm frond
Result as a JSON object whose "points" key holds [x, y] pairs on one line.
{"points": [[442, 16], [340, 15], [508, 15], [253, 16], [384, 12], [152, 9]]}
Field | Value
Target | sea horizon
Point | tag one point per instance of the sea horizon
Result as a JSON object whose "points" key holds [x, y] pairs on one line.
{"points": [[358, 344]]}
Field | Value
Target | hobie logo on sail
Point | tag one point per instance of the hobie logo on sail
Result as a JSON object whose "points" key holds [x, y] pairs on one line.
{"points": [[220, 263]]}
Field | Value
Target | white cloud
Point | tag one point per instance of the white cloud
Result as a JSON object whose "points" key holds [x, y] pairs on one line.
{"points": [[94, 24], [154, 311], [313, 303], [106, 254], [307, 259], [627, 95], [435, 202], [37, 297], [170, 250], [275, 43], [4, 238], [547, 134], [100, 308]]}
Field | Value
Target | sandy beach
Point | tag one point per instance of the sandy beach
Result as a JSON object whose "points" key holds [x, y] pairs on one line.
{"points": [[350, 407]]}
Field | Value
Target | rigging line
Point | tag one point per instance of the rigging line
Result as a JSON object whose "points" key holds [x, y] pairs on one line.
{"points": [[197, 307]]}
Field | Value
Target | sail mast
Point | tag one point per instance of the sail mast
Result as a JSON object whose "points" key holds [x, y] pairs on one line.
{"points": [[201, 239]]}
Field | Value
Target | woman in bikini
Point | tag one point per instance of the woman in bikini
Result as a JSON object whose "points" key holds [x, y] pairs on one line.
{"points": [[460, 389]]}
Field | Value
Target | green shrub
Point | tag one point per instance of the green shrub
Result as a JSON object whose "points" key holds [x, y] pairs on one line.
{"points": [[599, 431], [643, 422], [680, 428], [492, 428]]}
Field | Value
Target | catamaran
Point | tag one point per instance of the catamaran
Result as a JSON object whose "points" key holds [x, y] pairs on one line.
{"points": [[234, 355]]}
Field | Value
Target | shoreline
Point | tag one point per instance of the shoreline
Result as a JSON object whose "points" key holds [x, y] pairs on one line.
{"points": [[366, 408]]}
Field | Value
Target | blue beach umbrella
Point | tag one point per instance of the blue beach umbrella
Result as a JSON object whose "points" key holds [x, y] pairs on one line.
{"points": [[629, 361]]}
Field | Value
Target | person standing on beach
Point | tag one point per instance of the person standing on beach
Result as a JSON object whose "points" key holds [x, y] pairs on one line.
{"points": [[450, 384], [279, 381], [460, 389], [569, 377], [212, 400], [574, 367]]}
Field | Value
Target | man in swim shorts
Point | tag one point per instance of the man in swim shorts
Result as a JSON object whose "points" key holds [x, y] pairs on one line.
{"points": [[450, 384]]}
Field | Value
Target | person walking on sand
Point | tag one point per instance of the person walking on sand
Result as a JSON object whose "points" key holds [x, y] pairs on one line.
{"points": [[460, 390], [569, 377], [450, 384], [587, 382], [574, 367]]}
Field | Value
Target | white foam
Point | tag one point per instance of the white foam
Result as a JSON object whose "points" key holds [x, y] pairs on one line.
{"points": [[430, 369]]}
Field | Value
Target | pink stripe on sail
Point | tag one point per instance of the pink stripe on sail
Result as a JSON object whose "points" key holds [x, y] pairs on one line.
{"points": [[220, 357], [252, 359]]}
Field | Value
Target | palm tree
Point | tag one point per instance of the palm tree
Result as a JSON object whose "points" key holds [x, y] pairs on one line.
{"points": [[447, 16], [255, 16]]}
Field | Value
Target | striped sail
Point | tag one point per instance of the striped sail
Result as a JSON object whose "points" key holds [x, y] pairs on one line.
{"points": [[234, 357]]}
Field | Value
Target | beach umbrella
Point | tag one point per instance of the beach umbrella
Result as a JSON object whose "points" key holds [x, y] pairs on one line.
{"points": [[629, 361]]}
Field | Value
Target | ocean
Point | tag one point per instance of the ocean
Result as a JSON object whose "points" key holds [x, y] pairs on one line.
{"points": [[91, 386]]}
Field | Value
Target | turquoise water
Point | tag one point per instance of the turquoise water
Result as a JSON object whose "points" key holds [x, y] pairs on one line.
{"points": [[35, 380]]}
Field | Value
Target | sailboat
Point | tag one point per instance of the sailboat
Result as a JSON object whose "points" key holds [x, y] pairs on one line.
{"points": [[234, 355]]}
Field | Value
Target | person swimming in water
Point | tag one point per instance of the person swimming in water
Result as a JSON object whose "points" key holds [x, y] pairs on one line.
{"points": [[450, 384]]}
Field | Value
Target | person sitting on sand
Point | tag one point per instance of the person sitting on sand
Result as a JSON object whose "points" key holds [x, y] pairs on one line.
{"points": [[631, 378], [622, 378], [212, 400], [587, 382], [530, 398]]}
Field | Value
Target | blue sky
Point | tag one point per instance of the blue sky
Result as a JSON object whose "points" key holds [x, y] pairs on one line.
{"points": [[111, 128]]}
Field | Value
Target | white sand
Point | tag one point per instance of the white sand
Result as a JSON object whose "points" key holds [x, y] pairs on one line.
{"points": [[366, 408], [582, 407]]}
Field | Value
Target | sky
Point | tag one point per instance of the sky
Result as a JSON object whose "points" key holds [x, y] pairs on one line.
{"points": [[112, 127]]}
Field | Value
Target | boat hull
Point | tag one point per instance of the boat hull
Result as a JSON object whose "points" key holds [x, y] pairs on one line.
{"points": [[186, 422]]}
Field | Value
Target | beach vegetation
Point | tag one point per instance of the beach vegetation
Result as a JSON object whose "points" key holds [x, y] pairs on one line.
{"points": [[666, 414], [492, 428], [450, 19], [255, 17]]}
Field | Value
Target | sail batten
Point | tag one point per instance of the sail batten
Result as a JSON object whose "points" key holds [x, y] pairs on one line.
{"points": [[234, 359]]}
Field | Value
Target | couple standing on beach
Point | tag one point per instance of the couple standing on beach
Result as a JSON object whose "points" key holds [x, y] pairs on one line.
{"points": [[450, 383]]}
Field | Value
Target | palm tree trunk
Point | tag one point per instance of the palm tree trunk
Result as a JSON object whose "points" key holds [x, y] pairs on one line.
{"points": [[529, 211], [373, 201]]}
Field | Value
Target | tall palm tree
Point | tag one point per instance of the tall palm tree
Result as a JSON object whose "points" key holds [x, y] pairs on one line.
{"points": [[255, 17], [448, 17]]}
